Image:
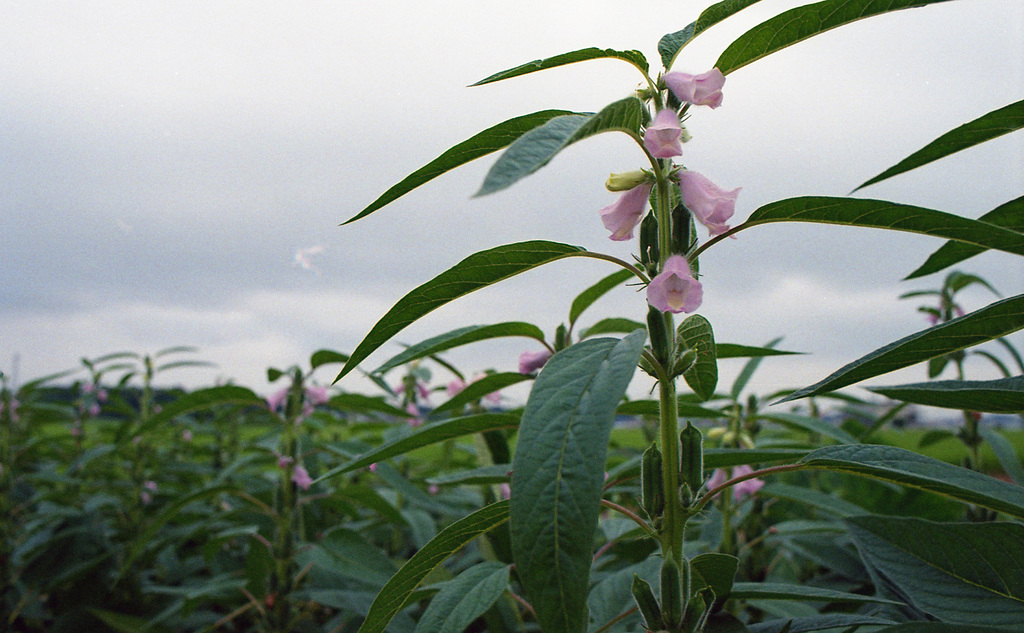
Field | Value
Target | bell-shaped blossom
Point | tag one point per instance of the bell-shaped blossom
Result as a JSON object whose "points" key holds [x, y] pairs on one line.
{"points": [[301, 478], [710, 204], [317, 395], [662, 137], [530, 362], [675, 289], [278, 398], [455, 387], [622, 217], [702, 89]]}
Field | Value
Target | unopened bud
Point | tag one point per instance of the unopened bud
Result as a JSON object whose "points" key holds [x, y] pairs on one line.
{"points": [[685, 136], [626, 180]]}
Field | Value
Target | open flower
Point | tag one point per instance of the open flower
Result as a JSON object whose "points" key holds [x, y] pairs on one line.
{"points": [[745, 488], [662, 137], [530, 362], [621, 217], [702, 89], [675, 289], [711, 205]]}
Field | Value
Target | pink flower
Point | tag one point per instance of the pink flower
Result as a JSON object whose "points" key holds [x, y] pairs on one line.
{"points": [[717, 478], [317, 395], [433, 489], [150, 485], [711, 205], [675, 289], [145, 497], [284, 460], [372, 467], [622, 216], [454, 387], [301, 478], [702, 89], [745, 488], [276, 399], [186, 435], [94, 409], [662, 136], [530, 362], [415, 421]]}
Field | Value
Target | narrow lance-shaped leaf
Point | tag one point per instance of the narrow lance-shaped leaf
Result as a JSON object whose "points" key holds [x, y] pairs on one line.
{"points": [[462, 336], [881, 214], [595, 292], [392, 597], [796, 25], [636, 58], [558, 473], [930, 563], [490, 140], [1003, 395], [464, 599], [479, 389], [784, 591], [476, 271], [1004, 452], [991, 322], [536, 148], [911, 469], [427, 435], [670, 45], [1009, 216], [984, 128]]}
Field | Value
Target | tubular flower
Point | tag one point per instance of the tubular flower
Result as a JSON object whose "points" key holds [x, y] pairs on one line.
{"points": [[702, 89], [662, 137], [746, 488], [711, 205], [530, 362], [622, 216], [675, 289], [301, 478]]}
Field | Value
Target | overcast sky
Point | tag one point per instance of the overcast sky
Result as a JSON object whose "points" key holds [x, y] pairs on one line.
{"points": [[162, 163]]}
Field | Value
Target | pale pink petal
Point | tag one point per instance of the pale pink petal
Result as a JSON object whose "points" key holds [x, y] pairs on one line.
{"points": [[703, 89], [711, 205], [301, 478], [530, 362], [662, 136], [624, 214], [276, 399]]}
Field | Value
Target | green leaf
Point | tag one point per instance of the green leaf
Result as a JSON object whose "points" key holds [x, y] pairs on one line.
{"points": [[558, 473], [910, 469], [991, 322], [729, 457], [326, 357], [748, 372], [812, 425], [670, 45], [537, 147], [464, 599], [961, 573], [1005, 453], [478, 389], [595, 292], [633, 57], [462, 336], [696, 334], [1003, 395], [611, 326], [784, 591], [346, 553], [796, 25], [448, 541], [1009, 216], [828, 621], [125, 623], [477, 271], [494, 474], [941, 627], [731, 350], [828, 502], [714, 570], [425, 436], [985, 128], [364, 404], [200, 401], [880, 214], [652, 408], [490, 140]]}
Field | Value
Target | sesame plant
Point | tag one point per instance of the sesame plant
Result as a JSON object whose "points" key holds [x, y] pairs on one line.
{"points": [[571, 566]]}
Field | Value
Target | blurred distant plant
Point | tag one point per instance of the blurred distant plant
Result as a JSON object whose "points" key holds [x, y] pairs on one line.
{"points": [[559, 493]]}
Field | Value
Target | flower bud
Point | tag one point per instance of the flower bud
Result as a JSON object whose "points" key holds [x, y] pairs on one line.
{"points": [[626, 180]]}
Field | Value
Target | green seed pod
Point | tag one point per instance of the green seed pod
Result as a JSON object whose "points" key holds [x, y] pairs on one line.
{"points": [[682, 223], [658, 333], [649, 251], [651, 483], [648, 604], [683, 362], [692, 458], [671, 594]]}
